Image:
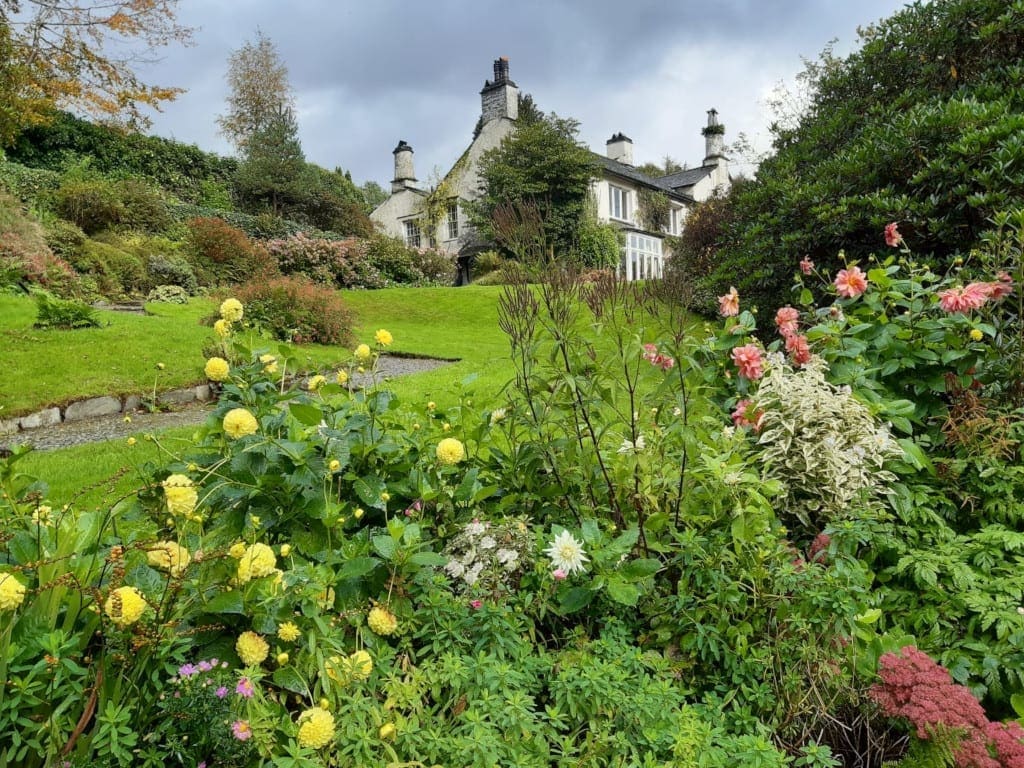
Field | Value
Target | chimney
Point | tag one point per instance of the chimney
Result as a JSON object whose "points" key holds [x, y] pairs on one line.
{"points": [[714, 139], [500, 98], [404, 175], [620, 147]]}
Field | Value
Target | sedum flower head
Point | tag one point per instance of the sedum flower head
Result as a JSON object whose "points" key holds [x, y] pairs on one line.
{"points": [[382, 337], [125, 606], [217, 369], [231, 310], [566, 553], [316, 728], [181, 495], [288, 632], [382, 621], [239, 422], [12, 592], [169, 556], [450, 451], [252, 649], [257, 561]]}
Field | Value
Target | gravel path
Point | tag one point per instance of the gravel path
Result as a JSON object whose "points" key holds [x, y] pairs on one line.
{"points": [[113, 427]]}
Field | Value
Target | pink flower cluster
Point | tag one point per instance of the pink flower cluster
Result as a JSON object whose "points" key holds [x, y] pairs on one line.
{"points": [[918, 689], [974, 295], [787, 321], [749, 361], [746, 415], [654, 357]]}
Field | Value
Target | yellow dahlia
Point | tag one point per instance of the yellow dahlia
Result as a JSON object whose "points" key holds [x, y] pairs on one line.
{"points": [[269, 364], [252, 649], [342, 377], [363, 352], [315, 382], [382, 621], [237, 550], [169, 556], [181, 495], [125, 606], [217, 369], [231, 310], [258, 561], [359, 665], [383, 337], [450, 451], [222, 328], [316, 728], [239, 422], [288, 632], [12, 592]]}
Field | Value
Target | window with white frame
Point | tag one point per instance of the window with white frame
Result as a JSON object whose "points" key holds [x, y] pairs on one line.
{"points": [[618, 203], [641, 258], [412, 234], [453, 220]]}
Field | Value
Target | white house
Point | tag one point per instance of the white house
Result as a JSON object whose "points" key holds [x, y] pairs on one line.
{"points": [[617, 191]]}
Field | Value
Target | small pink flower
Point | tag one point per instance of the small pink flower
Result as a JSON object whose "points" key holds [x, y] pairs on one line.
{"points": [[244, 688], [241, 730], [786, 320], [476, 604], [798, 348], [892, 235], [558, 574], [729, 304], [749, 361], [221, 692], [742, 416], [806, 265], [1000, 288], [851, 283]]}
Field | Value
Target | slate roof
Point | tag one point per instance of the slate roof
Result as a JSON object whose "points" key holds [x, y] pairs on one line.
{"points": [[686, 178], [629, 172]]}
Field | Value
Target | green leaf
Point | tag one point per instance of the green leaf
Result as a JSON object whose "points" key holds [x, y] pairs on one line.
{"points": [[641, 568], [385, 546], [575, 598], [591, 532], [227, 602], [369, 490], [309, 415], [1017, 702], [622, 591], [915, 456], [290, 680], [428, 559], [467, 488], [358, 566]]}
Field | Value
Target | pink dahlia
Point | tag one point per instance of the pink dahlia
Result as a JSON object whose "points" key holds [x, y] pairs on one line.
{"points": [[729, 304], [745, 415], [851, 283], [749, 361], [786, 320], [798, 348], [892, 235], [806, 265]]}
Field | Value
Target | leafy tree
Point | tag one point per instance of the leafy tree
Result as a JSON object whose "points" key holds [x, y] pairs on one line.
{"points": [[373, 195], [668, 165], [541, 164], [259, 90], [923, 125], [274, 171], [61, 54]]}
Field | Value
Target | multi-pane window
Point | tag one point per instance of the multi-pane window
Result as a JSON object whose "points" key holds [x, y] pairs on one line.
{"points": [[412, 234], [618, 203], [453, 220], [641, 257]]}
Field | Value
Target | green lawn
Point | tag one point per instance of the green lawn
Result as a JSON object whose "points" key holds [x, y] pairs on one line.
{"points": [[53, 367]]}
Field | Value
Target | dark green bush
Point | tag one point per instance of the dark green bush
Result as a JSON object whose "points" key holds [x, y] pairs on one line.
{"points": [[52, 312], [168, 294], [93, 204], [295, 309], [393, 259], [144, 206], [116, 271], [27, 184], [166, 269], [65, 238]]}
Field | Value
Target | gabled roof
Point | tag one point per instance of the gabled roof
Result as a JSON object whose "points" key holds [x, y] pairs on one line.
{"points": [[632, 174], [686, 178]]}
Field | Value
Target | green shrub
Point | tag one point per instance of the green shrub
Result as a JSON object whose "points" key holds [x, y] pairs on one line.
{"points": [[295, 309], [486, 262], [145, 208], [65, 238], [25, 258], [167, 269], [338, 263], [30, 185], [168, 294], [93, 204], [117, 272], [437, 267], [393, 259], [52, 312]]}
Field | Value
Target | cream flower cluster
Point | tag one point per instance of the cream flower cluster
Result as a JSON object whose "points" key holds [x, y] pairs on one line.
{"points": [[487, 556]]}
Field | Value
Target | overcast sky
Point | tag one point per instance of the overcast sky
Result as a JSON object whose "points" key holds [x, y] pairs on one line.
{"points": [[367, 73]]}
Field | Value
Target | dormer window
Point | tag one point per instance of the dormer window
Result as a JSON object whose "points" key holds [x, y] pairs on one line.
{"points": [[619, 203]]}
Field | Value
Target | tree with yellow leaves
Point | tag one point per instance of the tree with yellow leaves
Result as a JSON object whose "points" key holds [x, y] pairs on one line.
{"points": [[82, 54]]}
